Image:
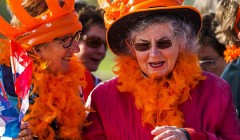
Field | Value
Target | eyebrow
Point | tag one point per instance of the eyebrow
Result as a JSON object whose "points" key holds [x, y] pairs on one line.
{"points": [[64, 37]]}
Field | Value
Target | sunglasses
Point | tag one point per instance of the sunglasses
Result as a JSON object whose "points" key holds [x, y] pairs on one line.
{"points": [[161, 44], [94, 41], [69, 39]]}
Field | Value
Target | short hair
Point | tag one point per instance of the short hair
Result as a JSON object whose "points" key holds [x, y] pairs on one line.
{"points": [[89, 15], [183, 31], [207, 35]]}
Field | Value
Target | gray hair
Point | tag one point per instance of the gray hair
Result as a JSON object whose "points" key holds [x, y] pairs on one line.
{"points": [[183, 31]]}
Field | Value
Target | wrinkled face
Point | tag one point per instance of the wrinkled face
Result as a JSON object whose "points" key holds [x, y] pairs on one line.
{"points": [[58, 53], [210, 60], [162, 53], [93, 47]]}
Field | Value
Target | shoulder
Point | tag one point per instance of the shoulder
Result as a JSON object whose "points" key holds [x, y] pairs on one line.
{"points": [[104, 91], [215, 82], [232, 71], [107, 85], [213, 87]]}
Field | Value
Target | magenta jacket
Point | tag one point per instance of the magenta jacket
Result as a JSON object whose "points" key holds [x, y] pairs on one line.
{"points": [[209, 115]]}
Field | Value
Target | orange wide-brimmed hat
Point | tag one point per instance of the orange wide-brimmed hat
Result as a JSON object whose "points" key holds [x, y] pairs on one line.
{"points": [[56, 22], [120, 15]]}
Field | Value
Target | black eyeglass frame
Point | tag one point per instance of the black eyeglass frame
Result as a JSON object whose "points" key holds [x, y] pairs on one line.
{"points": [[204, 63], [76, 37]]}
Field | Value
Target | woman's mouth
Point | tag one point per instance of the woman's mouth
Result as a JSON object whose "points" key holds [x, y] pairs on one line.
{"points": [[68, 58], [156, 64]]}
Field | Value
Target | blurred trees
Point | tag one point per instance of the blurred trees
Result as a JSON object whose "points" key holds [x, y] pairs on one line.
{"points": [[3, 10]]}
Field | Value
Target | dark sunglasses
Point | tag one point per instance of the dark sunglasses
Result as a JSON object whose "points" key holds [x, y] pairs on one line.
{"points": [[69, 39], [94, 41], [161, 44]]}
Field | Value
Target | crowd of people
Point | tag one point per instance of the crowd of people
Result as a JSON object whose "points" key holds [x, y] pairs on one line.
{"points": [[177, 71]]}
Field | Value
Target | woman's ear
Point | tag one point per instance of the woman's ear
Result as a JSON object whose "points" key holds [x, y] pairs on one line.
{"points": [[130, 47], [37, 51]]}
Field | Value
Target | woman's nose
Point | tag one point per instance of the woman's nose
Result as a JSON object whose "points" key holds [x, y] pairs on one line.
{"points": [[102, 49], [75, 47], [154, 51]]}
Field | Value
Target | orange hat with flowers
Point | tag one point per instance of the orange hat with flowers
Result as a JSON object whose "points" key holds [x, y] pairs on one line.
{"points": [[57, 21], [120, 15]]}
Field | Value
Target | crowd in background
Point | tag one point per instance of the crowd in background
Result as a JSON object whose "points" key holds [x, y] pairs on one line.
{"points": [[176, 73]]}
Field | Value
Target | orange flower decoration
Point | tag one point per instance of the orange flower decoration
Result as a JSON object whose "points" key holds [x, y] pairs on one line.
{"points": [[118, 8], [231, 53]]}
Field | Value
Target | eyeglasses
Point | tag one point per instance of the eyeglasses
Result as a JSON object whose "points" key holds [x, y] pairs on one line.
{"points": [[94, 41], [161, 44], [206, 64], [68, 40]]}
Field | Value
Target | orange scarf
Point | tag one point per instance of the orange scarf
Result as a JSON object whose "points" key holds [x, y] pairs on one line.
{"points": [[159, 99], [58, 100], [5, 52]]}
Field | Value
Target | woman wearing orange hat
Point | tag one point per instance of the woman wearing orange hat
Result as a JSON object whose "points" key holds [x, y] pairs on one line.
{"points": [[160, 92], [49, 31]]}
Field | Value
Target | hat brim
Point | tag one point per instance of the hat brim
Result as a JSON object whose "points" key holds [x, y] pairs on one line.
{"points": [[117, 32]]}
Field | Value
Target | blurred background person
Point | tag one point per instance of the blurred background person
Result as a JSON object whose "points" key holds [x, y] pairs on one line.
{"points": [[205, 6], [228, 18], [92, 42], [210, 53]]}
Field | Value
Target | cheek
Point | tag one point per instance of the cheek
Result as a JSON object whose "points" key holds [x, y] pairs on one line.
{"points": [[172, 57], [142, 59], [85, 50]]}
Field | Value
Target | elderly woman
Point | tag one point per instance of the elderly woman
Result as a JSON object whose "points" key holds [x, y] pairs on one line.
{"points": [[160, 91], [50, 31]]}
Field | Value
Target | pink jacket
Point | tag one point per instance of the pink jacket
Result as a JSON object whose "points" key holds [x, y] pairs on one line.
{"points": [[209, 115]]}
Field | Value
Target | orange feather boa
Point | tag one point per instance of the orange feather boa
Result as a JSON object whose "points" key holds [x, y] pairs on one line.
{"points": [[58, 99], [5, 52], [159, 99], [231, 53]]}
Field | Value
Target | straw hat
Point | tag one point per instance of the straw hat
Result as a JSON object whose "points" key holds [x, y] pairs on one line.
{"points": [[120, 15]]}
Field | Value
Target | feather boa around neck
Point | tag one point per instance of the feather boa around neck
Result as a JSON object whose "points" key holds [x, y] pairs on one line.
{"points": [[159, 99], [4, 52], [58, 100]]}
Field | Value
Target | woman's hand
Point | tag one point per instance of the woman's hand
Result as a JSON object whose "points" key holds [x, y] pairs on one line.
{"points": [[25, 133], [168, 133]]}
